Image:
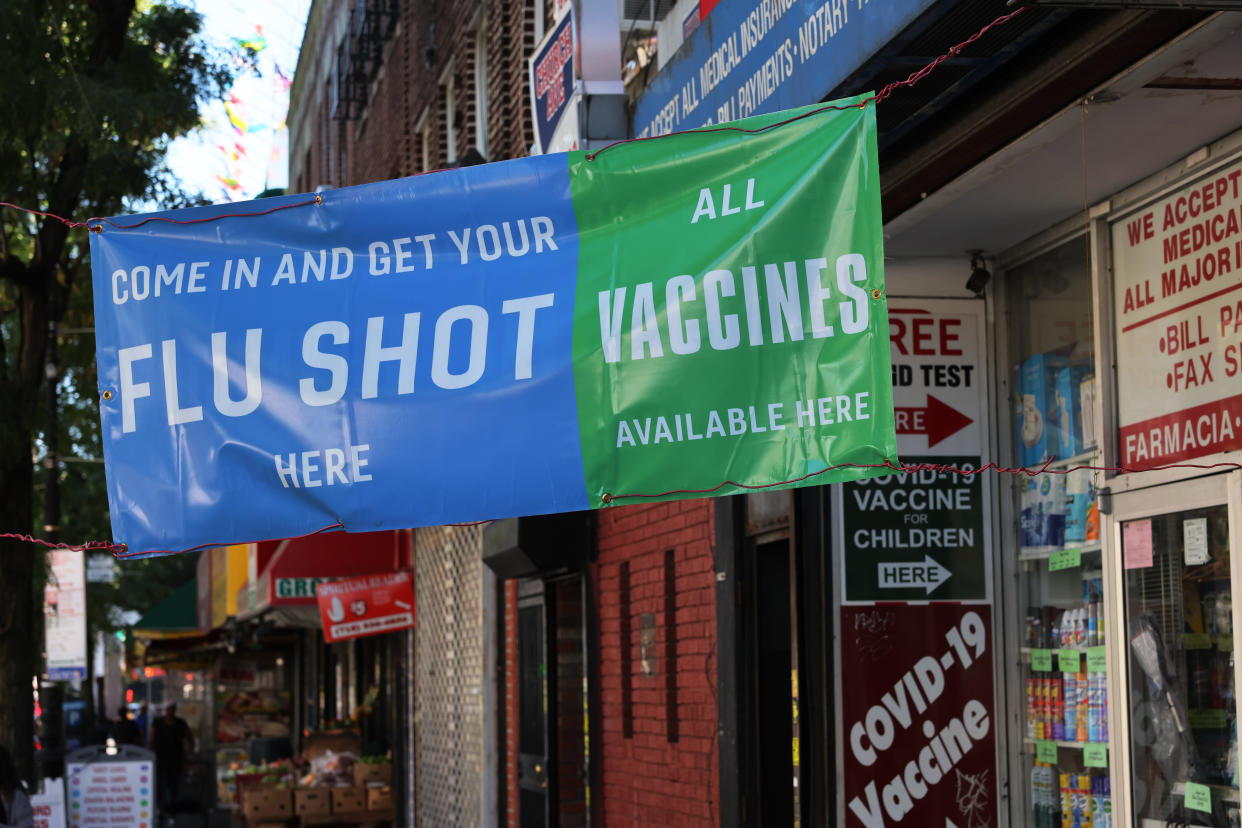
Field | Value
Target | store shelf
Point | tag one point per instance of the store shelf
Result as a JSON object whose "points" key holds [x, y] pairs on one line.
{"points": [[1220, 793], [1087, 458], [1042, 554], [1061, 744]]}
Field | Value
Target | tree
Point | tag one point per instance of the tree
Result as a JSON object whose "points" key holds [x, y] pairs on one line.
{"points": [[95, 90]]}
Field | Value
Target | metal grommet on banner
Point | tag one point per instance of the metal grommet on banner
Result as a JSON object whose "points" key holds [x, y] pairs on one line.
{"points": [[95, 228], [607, 498], [877, 293], [107, 395], [318, 199]]}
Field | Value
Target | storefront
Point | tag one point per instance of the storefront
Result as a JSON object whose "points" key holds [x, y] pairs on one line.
{"points": [[1111, 345], [1063, 246]]}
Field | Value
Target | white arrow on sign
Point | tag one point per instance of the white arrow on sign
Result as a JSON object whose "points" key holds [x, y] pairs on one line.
{"points": [[912, 574]]}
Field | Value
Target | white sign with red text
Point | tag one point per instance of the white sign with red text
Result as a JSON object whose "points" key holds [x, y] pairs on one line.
{"points": [[48, 806], [368, 605], [64, 606], [1178, 291]]}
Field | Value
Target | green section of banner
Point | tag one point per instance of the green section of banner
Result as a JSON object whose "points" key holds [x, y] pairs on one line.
{"points": [[730, 321]]}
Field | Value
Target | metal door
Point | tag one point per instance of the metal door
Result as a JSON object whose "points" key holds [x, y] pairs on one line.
{"points": [[535, 782]]}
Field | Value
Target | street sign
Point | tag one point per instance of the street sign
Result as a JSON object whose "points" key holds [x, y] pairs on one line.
{"points": [[924, 535]]}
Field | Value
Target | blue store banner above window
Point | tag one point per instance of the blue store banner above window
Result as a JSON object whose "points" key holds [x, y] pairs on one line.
{"points": [[757, 58]]}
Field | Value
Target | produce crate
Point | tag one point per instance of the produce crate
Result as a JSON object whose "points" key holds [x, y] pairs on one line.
{"points": [[266, 803], [379, 772], [312, 801], [349, 800], [379, 798]]}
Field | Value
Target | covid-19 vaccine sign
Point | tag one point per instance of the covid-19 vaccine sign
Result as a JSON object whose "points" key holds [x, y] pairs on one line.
{"points": [[923, 535]]}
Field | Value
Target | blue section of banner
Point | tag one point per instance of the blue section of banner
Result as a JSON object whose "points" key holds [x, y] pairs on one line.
{"points": [[752, 58], [407, 341]]}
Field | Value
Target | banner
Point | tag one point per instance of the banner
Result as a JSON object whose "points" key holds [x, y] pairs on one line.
{"points": [[665, 320], [368, 605], [918, 716]]}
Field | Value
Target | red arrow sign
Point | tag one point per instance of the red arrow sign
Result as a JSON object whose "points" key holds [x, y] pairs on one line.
{"points": [[938, 420]]}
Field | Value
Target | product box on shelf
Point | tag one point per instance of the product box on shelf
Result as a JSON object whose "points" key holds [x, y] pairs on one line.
{"points": [[1082, 509], [266, 803], [1067, 404], [1042, 517], [312, 801], [1086, 407], [365, 772], [1038, 434], [349, 800], [379, 798]]}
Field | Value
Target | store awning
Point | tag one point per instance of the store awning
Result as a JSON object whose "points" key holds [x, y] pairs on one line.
{"points": [[288, 585], [174, 617]]}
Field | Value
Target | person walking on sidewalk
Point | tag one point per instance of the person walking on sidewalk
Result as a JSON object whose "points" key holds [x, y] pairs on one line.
{"points": [[171, 740], [15, 809]]}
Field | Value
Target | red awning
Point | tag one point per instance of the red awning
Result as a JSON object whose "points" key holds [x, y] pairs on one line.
{"points": [[297, 566]]}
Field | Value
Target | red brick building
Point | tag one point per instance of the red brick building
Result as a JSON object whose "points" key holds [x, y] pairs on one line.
{"points": [[600, 653]]}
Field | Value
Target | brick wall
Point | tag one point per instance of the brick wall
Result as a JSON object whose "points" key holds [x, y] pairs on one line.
{"points": [[655, 584], [408, 87], [511, 703]]}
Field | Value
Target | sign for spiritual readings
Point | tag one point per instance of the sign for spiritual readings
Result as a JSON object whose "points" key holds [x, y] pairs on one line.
{"points": [[542, 335], [1177, 268], [917, 716], [109, 792], [369, 605], [924, 535]]}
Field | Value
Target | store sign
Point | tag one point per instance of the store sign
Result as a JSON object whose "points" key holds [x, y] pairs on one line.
{"points": [[64, 607], [918, 716], [548, 334], [48, 807], [924, 535], [370, 605], [111, 793], [1178, 301], [552, 80], [298, 587], [757, 58]]}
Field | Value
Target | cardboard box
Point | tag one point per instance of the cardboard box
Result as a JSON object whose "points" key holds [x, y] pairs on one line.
{"points": [[349, 800], [312, 801], [1038, 434], [379, 798], [267, 803], [1068, 402], [372, 773]]}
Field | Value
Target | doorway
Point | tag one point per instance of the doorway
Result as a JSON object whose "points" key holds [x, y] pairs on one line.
{"points": [[553, 715]]}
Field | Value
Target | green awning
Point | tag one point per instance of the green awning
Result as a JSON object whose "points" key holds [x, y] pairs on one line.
{"points": [[174, 617]]}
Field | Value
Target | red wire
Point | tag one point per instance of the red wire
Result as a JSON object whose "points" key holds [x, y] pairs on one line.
{"points": [[914, 78], [888, 90], [121, 550], [936, 467], [84, 547], [316, 200]]}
